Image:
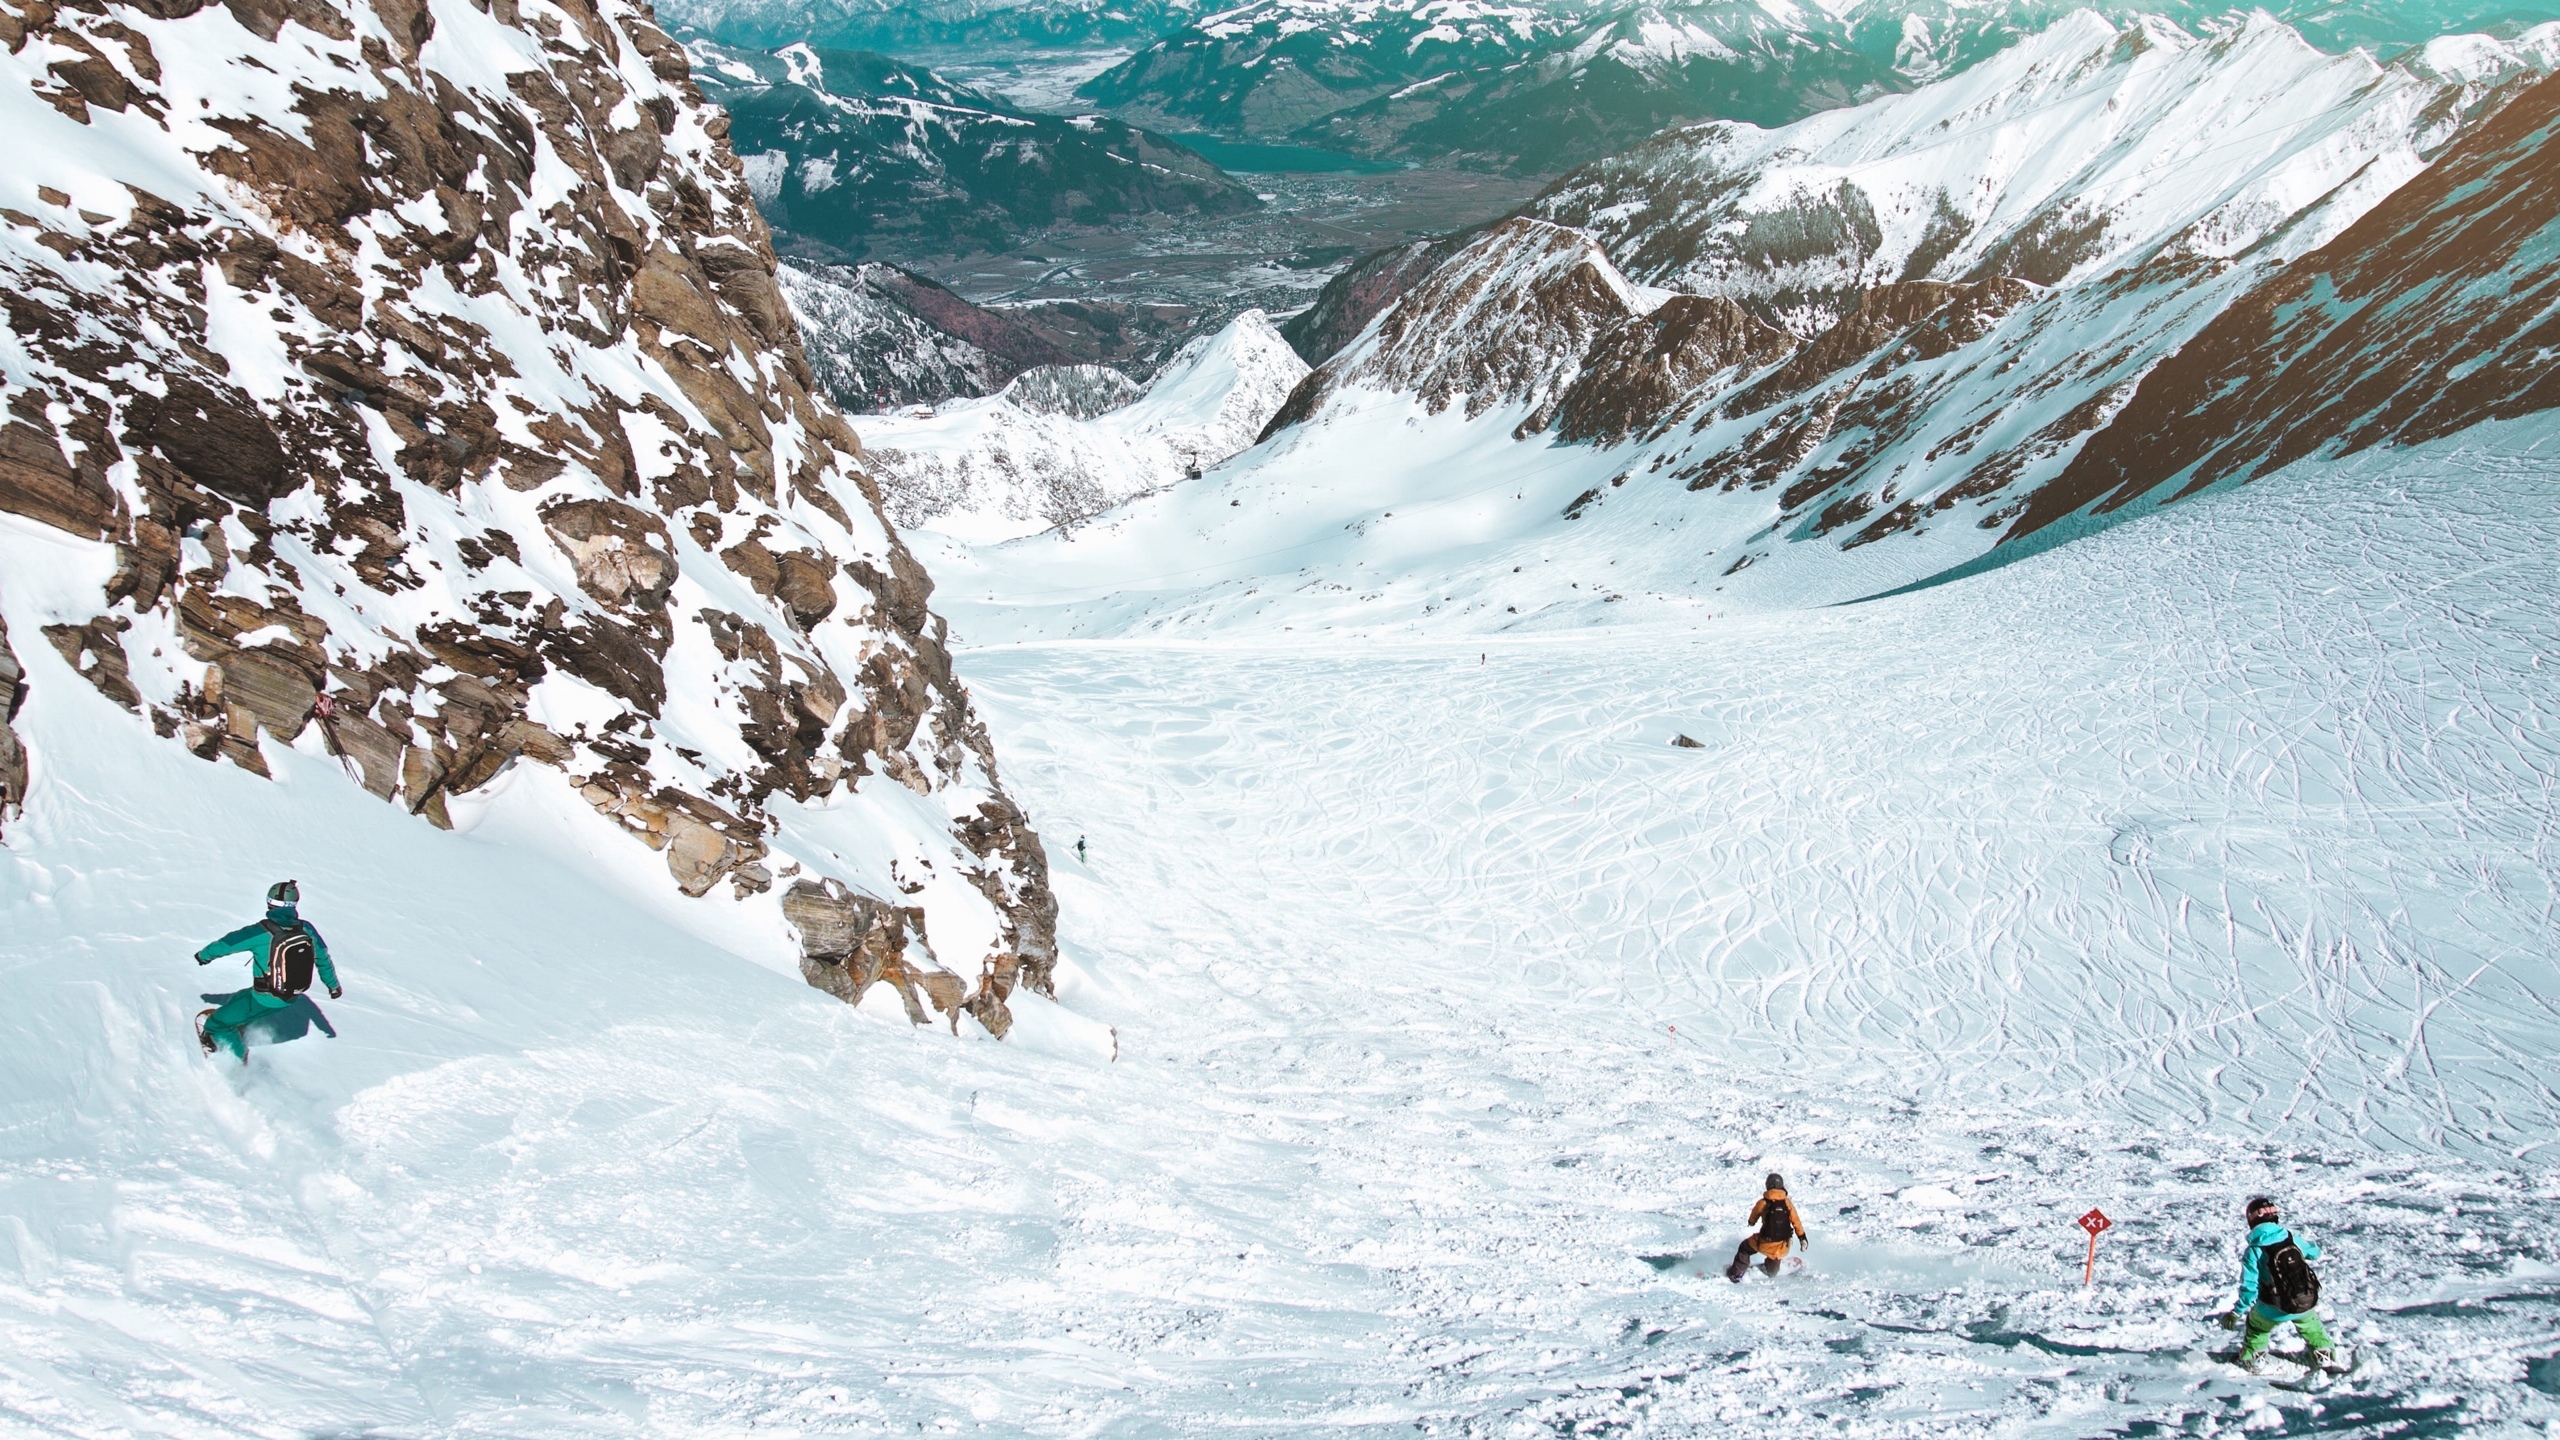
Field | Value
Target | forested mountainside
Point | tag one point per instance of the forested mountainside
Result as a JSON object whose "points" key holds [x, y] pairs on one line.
{"points": [[849, 152], [411, 384]]}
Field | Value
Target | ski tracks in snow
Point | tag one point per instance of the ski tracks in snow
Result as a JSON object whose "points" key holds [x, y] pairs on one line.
{"points": [[2208, 857], [1458, 1015]]}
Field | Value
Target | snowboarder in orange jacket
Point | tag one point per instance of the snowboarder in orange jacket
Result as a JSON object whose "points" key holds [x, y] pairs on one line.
{"points": [[1780, 1226]]}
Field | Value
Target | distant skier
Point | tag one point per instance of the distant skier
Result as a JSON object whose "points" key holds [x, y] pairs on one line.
{"points": [[1079, 849], [284, 951], [2277, 1287], [1780, 1226]]}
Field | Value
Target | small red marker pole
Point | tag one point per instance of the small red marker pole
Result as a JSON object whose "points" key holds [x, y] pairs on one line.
{"points": [[2094, 1222]]}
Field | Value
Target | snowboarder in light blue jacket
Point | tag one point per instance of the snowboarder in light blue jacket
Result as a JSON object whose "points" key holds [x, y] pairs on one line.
{"points": [[284, 951], [2277, 1288]]}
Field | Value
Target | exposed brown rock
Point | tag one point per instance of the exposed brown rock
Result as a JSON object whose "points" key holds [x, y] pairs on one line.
{"points": [[1646, 370], [13, 754], [621, 551], [1506, 320], [38, 481], [2324, 355], [96, 650]]}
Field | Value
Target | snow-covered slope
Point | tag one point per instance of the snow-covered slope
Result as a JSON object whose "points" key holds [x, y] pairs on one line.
{"points": [[1015, 463], [1457, 1015], [410, 385], [2088, 149]]}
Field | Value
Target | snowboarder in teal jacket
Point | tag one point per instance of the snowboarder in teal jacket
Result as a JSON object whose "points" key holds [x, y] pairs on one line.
{"points": [[2262, 1294], [281, 937]]}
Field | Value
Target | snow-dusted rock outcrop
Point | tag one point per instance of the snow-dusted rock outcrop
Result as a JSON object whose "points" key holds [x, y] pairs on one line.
{"points": [[1533, 316], [878, 337], [410, 380], [1012, 464]]}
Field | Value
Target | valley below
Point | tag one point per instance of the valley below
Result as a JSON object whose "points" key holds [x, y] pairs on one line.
{"points": [[1311, 225]]}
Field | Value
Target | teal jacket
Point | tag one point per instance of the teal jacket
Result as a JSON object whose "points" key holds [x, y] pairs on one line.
{"points": [[254, 941], [2259, 1239]]}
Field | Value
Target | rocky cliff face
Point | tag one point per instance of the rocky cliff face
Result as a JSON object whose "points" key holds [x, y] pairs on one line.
{"points": [[13, 753], [1533, 317], [417, 374], [879, 338]]}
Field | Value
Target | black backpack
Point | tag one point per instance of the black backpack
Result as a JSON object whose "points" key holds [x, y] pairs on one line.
{"points": [[290, 959], [1777, 1224], [2285, 1280]]}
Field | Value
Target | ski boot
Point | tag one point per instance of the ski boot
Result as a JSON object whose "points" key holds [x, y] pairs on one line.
{"points": [[202, 1038]]}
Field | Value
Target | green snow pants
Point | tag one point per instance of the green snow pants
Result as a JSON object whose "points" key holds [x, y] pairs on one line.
{"points": [[2262, 1328], [223, 1025]]}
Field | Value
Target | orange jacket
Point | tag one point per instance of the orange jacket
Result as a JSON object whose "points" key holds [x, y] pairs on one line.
{"points": [[1761, 1206]]}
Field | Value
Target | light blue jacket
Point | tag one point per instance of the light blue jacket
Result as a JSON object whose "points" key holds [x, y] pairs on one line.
{"points": [[2260, 1238]]}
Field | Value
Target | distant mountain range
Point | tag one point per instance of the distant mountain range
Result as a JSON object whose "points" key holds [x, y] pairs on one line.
{"points": [[846, 151], [1536, 87], [929, 24]]}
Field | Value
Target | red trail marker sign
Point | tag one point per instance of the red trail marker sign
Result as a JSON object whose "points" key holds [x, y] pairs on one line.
{"points": [[2094, 1222]]}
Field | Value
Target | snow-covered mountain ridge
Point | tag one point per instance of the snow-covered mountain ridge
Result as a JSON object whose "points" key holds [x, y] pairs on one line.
{"points": [[1894, 323], [1063, 443], [409, 384], [878, 337], [1527, 87], [1535, 88]]}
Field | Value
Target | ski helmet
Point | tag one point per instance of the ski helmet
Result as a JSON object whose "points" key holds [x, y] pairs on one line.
{"points": [[283, 895], [1776, 1181], [2260, 1211]]}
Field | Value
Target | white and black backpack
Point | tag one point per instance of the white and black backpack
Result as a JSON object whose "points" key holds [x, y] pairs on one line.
{"points": [[291, 958]]}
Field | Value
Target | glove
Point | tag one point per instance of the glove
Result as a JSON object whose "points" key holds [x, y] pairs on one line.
{"points": [[335, 992], [203, 960], [2230, 1319]]}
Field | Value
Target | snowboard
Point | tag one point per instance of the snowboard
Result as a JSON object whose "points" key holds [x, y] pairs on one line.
{"points": [[2311, 1380]]}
